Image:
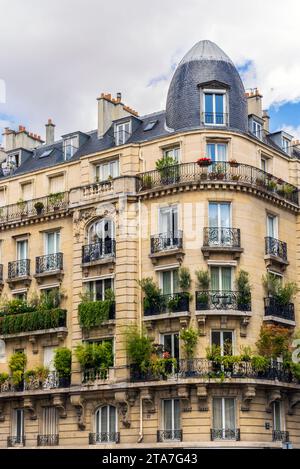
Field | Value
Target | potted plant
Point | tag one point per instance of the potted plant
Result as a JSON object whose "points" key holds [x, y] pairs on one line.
{"points": [[271, 185], [39, 207], [147, 181], [243, 291], [62, 365], [204, 161], [233, 163], [22, 206], [203, 282], [55, 200], [189, 338], [168, 168]]}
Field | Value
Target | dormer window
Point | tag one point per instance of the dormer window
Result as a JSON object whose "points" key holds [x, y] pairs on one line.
{"points": [[122, 132], [14, 160], [257, 129], [214, 106], [285, 145], [70, 147]]}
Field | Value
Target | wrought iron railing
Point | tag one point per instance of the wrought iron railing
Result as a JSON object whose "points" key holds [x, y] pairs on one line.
{"points": [[167, 435], [225, 434], [274, 308], [222, 299], [278, 435], [34, 207], [275, 247], [49, 263], [51, 381], [104, 437], [48, 440], [209, 369], [15, 440], [214, 118], [224, 172], [166, 241], [1, 273], [100, 250], [19, 268], [172, 303], [221, 237]]}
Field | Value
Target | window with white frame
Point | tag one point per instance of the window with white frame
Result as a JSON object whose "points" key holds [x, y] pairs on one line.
{"points": [[171, 419], [18, 426], [107, 170], [217, 152], [70, 147], [285, 145], [48, 358], [214, 106], [169, 281], [272, 226], [106, 424], [221, 278], [49, 421], [22, 249], [224, 418], [223, 340], [170, 343], [97, 289], [257, 129], [219, 220], [122, 132], [52, 242], [264, 164], [172, 152], [168, 226], [101, 230], [277, 416]]}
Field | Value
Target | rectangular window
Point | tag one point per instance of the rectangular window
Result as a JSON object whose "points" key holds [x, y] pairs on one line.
{"points": [[277, 416], [20, 296], [171, 418], [27, 191], [49, 353], [217, 152], [224, 417], [170, 344], [2, 198], [221, 278], [50, 421], [257, 129], [107, 170], [169, 282], [214, 107], [272, 226], [219, 215], [224, 340], [70, 147], [56, 184], [18, 425], [264, 164], [52, 242], [97, 288], [285, 145], [173, 152], [122, 132], [22, 249], [168, 226]]}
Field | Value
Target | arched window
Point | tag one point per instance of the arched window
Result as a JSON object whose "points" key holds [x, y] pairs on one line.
{"points": [[101, 236], [106, 424]]}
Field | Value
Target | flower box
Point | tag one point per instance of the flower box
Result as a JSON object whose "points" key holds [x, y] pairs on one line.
{"points": [[204, 162]]}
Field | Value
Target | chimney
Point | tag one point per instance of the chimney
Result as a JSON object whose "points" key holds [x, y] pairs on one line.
{"points": [[50, 127], [266, 119], [254, 99], [110, 109]]}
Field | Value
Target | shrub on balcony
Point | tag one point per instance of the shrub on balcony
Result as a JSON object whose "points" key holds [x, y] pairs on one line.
{"points": [[168, 168], [55, 199], [62, 362], [4, 377], [152, 295], [32, 321], [36, 376], [184, 278], [190, 338], [274, 341], [139, 348], [94, 313], [244, 290], [17, 364], [162, 367], [283, 294], [98, 357]]}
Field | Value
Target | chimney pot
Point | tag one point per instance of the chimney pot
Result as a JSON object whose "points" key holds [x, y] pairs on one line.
{"points": [[50, 128]]}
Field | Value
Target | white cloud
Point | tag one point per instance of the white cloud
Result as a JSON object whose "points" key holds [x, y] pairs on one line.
{"points": [[56, 57]]}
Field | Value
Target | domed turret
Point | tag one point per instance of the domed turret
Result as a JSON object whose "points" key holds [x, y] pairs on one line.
{"points": [[206, 90]]}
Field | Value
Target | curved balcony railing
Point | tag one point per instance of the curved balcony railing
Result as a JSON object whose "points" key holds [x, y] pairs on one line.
{"points": [[19, 269], [165, 241], [225, 434], [49, 263], [274, 308], [169, 435], [275, 247], [48, 440], [221, 237], [225, 172], [222, 299], [100, 250], [104, 437], [173, 303]]}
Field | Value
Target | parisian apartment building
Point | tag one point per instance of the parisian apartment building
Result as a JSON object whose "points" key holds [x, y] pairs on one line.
{"points": [[149, 272]]}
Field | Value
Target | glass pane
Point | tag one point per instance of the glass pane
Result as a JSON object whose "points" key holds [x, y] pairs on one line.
{"points": [[175, 351], [174, 227], [208, 107], [222, 152], [99, 290], [50, 243], [112, 419], [226, 278], [175, 281], [227, 343], [277, 416], [167, 406], [214, 278], [22, 250], [167, 343], [216, 338], [271, 226], [165, 221], [217, 414], [176, 425], [104, 420], [219, 103], [166, 283], [213, 214], [225, 215], [211, 151], [229, 414]]}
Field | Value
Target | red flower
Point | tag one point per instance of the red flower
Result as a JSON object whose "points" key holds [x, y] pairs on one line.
{"points": [[205, 161], [166, 355]]}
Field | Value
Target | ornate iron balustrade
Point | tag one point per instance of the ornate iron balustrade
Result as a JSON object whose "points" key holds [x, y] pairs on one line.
{"points": [[167, 435], [222, 237], [49, 263], [173, 303], [92, 375], [104, 437], [100, 250], [214, 118], [47, 440], [208, 369], [224, 172], [225, 434], [275, 247], [278, 435], [274, 308], [222, 299], [1, 273], [166, 241], [35, 207], [15, 440], [51, 381], [18, 269]]}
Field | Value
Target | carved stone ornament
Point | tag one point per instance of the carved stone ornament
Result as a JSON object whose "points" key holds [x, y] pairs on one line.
{"points": [[202, 396], [79, 405], [30, 405], [294, 399], [125, 400], [273, 396], [80, 218], [148, 399], [248, 395], [59, 401], [184, 395]]}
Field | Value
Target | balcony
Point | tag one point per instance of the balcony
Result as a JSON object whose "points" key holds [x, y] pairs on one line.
{"points": [[15, 441], [51, 264], [169, 435], [35, 208], [166, 245], [275, 252], [225, 434], [274, 311], [99, 253], [104, 437], [221, 240], [34, 383], [222, 302], [19, 271], [250, 178], [171, 305], [278, 435], [47, 440]]}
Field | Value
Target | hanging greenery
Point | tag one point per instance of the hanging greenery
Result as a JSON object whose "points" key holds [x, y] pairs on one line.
{"points": [[190, 338], [184, 279]]}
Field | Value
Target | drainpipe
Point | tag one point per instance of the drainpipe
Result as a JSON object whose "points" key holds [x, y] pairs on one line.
{"points": [[141, 434]]}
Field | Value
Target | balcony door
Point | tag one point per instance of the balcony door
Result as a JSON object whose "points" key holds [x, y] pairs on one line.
{"points": [[217, 152], [214, 104], [170, 344], [224, 418], [52, 242], [171, 419], [223, 340], [102, 233], [219, 215], [168, 226], [272, 226], [106, 424], [49, 422], [97, 289], [169, 282], [221, 286], [18, 425], [49, 353], [22, 249]]}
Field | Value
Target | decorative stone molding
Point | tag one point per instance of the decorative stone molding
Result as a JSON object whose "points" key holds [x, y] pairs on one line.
{"points": [[184, 322], [30, 405], [34, 343], [125, 400], [272, 396], [148, 399], [202, 396], [80, 218], [243, 326], [79, 405], [294, 399], [248, 395], [183, 393], [201, 324], [59, 401]]}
